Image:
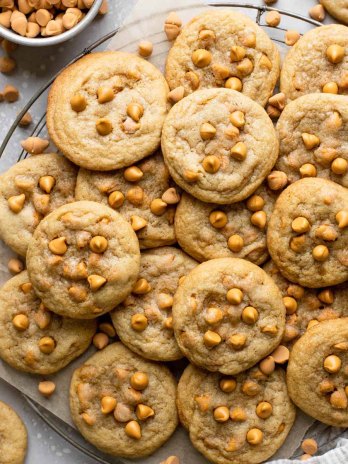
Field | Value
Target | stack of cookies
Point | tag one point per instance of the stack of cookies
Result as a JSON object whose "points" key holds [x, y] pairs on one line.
{"points": [[164, 247]]}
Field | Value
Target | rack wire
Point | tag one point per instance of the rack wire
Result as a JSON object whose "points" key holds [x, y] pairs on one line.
{"points": [[55, 424]]}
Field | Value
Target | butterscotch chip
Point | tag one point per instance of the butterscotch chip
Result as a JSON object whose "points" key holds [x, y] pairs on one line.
{"points": [[139, 419], [320, 393]]}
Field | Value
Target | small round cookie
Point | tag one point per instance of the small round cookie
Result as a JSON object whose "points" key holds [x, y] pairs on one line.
{"points": [[337, 8], [14, 437], [30, 190], [206, 231], [313, 142], [317, 374], [32, 338], [221, 48], [242, 419], [228, 314], [306, 307], [307, 234], [83, 260], [106, 111], [123, 404], [319, 58], [142, 193], [143, 321], [211, 143]]}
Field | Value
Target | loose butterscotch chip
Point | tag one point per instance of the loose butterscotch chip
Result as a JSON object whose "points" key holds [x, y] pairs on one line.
{"points": [[234, 296], [235, 243], [239, 151], [141, 287], [250, 315], [213, 315], [207, 131], [20, 322], [58, 246], [98, 244], [139, 322], [320, 253], [105, 94], [332, 364], [309, 446], [277, 180], [201, 58], [143, 412], [264, 410], [290, 304], [100, 340], [326, 296], [211, 339], [273, 18], [234, 83], [176, 94], [221, 414], [291, 37], [238, 415], [228, 385], [16, 203], [335, 53], [218, 219], [47, 388], [267, 365], [133, 430], [107, 328], [237, 341], [254, 436], [133, 174], [78, 103], [295, 291], [47, 345], [308, 170], [255, 203], [281, 354], [139, 381], [171, 196], [259, 219], [339, 166], [108, 404], [211, 164], [15, 266], [158, 206]]}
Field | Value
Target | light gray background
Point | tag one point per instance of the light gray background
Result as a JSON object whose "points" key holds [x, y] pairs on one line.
{"points": [[35, 67]]}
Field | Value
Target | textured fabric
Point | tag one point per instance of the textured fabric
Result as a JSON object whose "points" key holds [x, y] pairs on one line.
{"points": [[339, 455]]}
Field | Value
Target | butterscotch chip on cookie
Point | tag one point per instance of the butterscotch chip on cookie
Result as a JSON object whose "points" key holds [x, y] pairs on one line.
{"points": [[122, 404], [144, 320], [240, 419], [33, 339], [206, 230], [142, 193], [14, 437], [83, 260], [307, 234], [30, 190], [224, 49], [212, 146], [106, 111], [337, 8], [312, 137], [317, 59], [228, 314], [317, 372], [306, 307]]}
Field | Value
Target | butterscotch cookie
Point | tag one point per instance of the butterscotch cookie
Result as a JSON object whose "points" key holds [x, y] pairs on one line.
{"points": [[221, 48], [306, 307], [337, 8], [312, 132], [83, 260], [144, 320], [228, 314], [123, 404], [317, 374], [307, 234], [242, 419], [106, 111], [318, 62], [14, 437], [30, 190], [206, 230], [211, 143], [142, 193], [32, 338]]}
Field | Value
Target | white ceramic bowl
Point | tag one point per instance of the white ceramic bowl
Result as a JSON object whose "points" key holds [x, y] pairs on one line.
{"points": [[44, 41]]}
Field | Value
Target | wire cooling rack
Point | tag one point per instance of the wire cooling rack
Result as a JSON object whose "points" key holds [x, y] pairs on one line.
{"points": [[10, 145]]}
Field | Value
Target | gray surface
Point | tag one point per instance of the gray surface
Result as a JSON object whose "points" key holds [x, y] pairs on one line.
{"points": [[35, 67]]}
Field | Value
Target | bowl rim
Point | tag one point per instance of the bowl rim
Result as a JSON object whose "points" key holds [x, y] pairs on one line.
{"points": [[57, 39]]}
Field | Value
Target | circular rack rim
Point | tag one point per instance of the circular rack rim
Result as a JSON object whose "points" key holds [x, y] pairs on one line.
{"points": [[46, 416]]}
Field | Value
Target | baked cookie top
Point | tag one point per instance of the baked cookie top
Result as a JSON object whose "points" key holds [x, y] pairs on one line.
{"points": [[211, 144], [317, 374], [33, 339], [337, 8], [313, 142], [123, 404], [306, 307], [83, 260], [142, 193], [307, 234], [320, 57], [30, 190], [106, 111], [241, 419], [14, 437], [144, 320], [221, 48], [206, 230], [228, 314]]}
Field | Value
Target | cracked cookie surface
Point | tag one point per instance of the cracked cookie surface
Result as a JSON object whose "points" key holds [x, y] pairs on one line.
{"points": [[83, 260]]}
